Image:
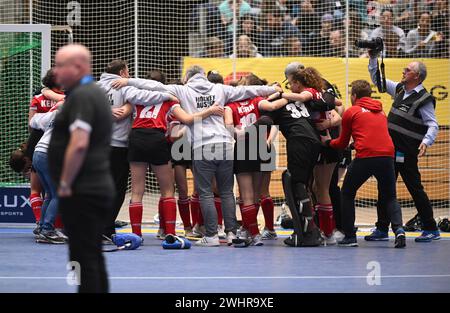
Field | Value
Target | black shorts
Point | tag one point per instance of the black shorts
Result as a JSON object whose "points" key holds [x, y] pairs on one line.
{"points": [[302, 155], [148, 146], [186, 162], [346, 158], [329, 155], [252, 162]]}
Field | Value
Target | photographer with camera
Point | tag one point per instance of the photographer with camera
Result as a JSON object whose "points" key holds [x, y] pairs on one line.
{"points": [[413, 128]]}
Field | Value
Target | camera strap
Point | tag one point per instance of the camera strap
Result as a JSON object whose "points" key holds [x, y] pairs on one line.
{"points": [[381, 76]]}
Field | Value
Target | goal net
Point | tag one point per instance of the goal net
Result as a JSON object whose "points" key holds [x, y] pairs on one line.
{"points": [[262, 36], [23, 61]]}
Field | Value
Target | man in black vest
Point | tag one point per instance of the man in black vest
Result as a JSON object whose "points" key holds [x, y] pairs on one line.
{"points": [[413, 128]]}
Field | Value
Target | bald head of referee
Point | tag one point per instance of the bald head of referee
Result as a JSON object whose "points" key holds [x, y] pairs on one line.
{"points": [[78, 157], [72, 62]]}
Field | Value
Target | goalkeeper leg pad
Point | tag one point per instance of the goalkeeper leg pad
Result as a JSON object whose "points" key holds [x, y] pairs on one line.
{"points": [[306, 233]]}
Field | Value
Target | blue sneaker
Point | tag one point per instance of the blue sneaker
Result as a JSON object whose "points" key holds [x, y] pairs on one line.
{"points": [[428, 236], [175, 242], [377, 235]]}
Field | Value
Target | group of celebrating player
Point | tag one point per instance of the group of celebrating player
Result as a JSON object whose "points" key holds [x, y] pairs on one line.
{"points": [[162, 125]]}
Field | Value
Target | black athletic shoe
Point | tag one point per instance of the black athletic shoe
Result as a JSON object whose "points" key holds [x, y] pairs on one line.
{"points": [[348, 242], [308, 239], [414, 224], [400, 238], [120, 224], [292, 241], [51, 236]]}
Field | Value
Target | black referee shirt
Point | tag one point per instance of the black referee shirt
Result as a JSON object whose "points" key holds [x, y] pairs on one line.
{"points": [[86, 107]]}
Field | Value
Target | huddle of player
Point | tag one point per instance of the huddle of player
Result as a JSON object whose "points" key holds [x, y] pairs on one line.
{"points": [[147, 123]]}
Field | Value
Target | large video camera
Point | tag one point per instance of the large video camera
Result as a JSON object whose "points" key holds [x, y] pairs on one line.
{"points": [[376, 46]]}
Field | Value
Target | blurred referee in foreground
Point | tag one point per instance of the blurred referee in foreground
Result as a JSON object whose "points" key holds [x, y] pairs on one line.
{"points": [[79, 164]]}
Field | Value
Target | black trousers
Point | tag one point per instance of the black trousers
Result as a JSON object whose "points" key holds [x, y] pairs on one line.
{"points": [[84, 217], [120, 170], [359, 171], [336, 199], [409, 171]]}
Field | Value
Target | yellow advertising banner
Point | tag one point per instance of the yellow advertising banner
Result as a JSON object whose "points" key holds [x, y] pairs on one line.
{"points": [[334, 70]]}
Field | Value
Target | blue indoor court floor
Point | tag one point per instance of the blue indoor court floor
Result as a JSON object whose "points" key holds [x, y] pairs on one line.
{"points": [[372, 267]]}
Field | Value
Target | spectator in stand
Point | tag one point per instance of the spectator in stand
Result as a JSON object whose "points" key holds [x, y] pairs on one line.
{"points": [[391, 42], [387, 18], [359, 6], [404, 14], [275, 32], [308, 21], [226, 12], [440, 23], [418, 45], [214, 48], [248, 26], [292, 47], [319, 44], [245, 48], [337, 44], [355, 32]]}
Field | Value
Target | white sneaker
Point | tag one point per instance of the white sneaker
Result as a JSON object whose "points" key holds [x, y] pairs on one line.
{"points": [[269, 234], [230, 238], [257, 241], [208, 242], [329, 241], [160, 234], [221, 232], [338, 236]]}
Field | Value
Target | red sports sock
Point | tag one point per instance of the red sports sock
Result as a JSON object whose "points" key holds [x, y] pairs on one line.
{"points": [[218, 204], [241, 205], [249, 218], [267, 208], [136, 210], [183, 208], [36, 205], [195, 209], [58, 222], [326, 218], [161, 215], [169, 208]]}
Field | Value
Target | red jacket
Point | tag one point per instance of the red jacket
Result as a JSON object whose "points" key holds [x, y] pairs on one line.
{"points": [[366, 122]]}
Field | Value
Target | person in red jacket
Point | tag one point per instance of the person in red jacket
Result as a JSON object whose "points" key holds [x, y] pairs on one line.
{"points": [[366, 122]]}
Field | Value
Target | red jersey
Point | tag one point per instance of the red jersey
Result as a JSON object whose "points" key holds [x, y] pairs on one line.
{"points": [[366, 122], [153, 116], [317, 117], [246, 112], [41, 104]]}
